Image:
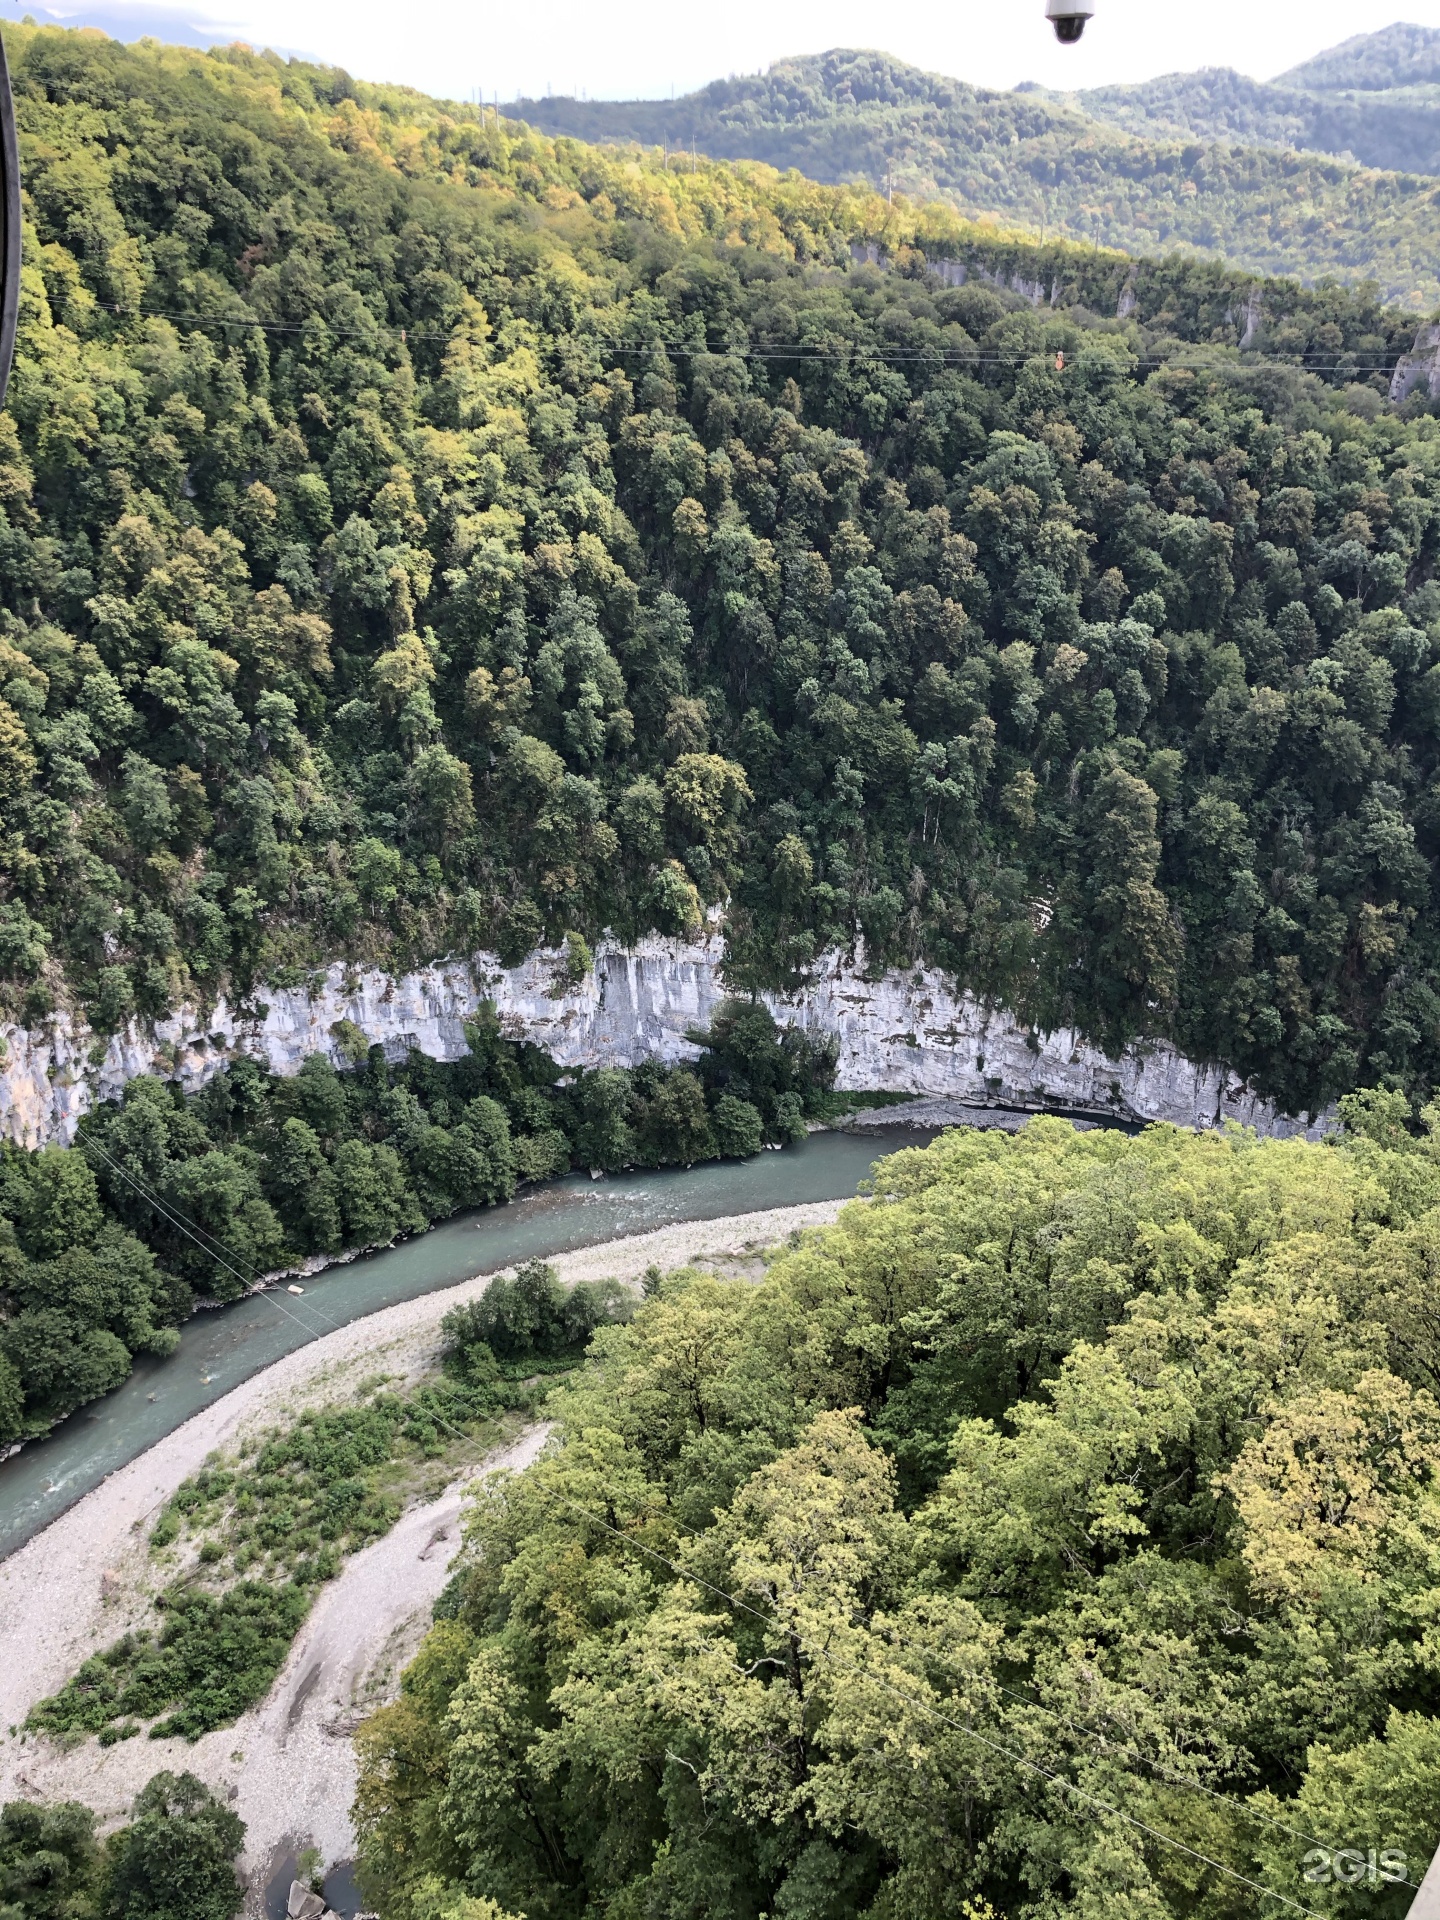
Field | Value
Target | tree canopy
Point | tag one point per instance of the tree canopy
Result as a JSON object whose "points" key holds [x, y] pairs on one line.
{"points": [[420, 535], [1055, 1533], [173, 1860]]}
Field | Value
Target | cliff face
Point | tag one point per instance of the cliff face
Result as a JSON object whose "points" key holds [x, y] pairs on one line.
{"points": [[906, 1032]]}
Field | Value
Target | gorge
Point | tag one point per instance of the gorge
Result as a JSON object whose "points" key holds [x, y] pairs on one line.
{"points": [[905, 1031]]}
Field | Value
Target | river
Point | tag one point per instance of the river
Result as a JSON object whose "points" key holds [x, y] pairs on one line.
{"points": [[219, 1349]]}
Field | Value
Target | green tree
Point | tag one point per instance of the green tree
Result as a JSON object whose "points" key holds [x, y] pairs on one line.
{"points": [[989, 1466], [59, 1207], [739, 1130], [304, 1188], [176, 1857], [375, 1202], [48, 1861]]}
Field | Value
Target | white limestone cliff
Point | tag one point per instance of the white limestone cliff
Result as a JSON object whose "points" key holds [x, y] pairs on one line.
{"points": [[907, 1032]]}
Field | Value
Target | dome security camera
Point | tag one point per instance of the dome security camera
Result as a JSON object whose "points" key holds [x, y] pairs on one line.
{"points": [[1068, 18]]}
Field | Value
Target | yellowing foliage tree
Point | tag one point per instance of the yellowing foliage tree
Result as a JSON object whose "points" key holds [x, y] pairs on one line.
{"points": [[1055, 1533]]}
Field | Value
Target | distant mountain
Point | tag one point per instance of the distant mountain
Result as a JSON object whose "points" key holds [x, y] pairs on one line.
{"points": [[1399, 131], [1396, 56], [1217, 103], [1121, 168], [1376, 100]]}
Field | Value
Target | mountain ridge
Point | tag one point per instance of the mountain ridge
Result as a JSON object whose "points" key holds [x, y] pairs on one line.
{"points": [[1115, 167], [1374, 99], [1394, 56]]}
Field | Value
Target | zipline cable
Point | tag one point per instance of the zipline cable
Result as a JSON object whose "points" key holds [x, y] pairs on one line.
{"points": [[1128, 1755], [193, 1231], [1018, 1759], [216, 1251], [1129, 1752], [1131, 1755], [799, 351]]}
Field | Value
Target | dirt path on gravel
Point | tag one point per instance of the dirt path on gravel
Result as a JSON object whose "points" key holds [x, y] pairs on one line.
{"points": [[288, 1765]]}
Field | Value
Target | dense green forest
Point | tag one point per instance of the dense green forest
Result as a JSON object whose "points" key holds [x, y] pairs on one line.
{"points": [[105, 1246], [1056, 1534], [1394, 59], [1185, 163], [1375, 99], [1217, 104], [417, 535], [535, 539]]}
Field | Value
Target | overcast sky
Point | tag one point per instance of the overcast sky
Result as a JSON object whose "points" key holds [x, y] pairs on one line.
{"points": [[643, 48]]}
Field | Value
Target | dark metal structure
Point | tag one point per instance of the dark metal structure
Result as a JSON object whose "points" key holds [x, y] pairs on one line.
{"points": [[1068, 18], [9, 225]]}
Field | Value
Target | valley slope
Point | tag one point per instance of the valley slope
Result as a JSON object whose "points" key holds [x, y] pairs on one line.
{"points": [[1285, 178], [422, 536]]}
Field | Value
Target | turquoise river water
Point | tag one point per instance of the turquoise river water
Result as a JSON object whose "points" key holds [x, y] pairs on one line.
{"points": [[220, 1349]]}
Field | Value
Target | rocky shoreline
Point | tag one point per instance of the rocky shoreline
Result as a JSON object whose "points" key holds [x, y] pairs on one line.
{"points": [[87, 1577]]}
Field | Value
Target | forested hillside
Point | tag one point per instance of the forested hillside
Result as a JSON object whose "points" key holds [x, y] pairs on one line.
{"points": [[419, 535], [1056, 1535], [1149, 183], [1400, 131], [1375, 99], [1399, 56]]}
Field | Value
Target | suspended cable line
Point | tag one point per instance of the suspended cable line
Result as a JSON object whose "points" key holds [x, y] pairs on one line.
{"points": [[1129, 1753], [799, 350], [1020, 1760], [219, 1254], [216, 1251]]}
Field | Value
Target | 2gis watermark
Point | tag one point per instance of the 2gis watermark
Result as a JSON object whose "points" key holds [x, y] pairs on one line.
{"points": [[1350, 1867]]}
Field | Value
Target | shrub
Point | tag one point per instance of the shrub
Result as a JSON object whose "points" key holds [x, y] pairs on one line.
{"points": [[528, 1318], [213, 1658], [739, 1130]]}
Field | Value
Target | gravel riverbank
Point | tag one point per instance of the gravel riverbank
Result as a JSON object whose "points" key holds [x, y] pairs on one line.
{"points": [[287, 1766]]}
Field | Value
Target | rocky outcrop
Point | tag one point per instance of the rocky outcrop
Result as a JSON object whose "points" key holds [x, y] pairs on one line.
{"points": [[1247, 319], [908, 1032], [955, 273], [1420, 367]]}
